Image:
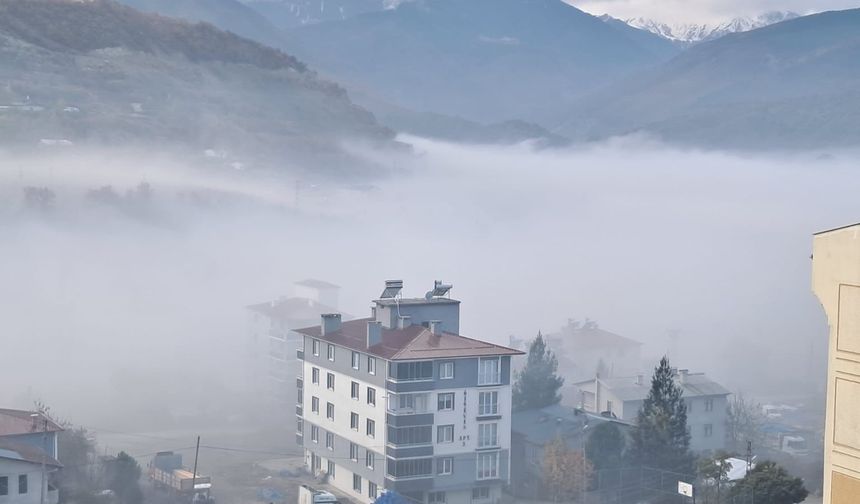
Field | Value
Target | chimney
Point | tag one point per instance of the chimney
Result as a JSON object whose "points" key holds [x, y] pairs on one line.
{"points": [[330, 323], [404, 321], [374, 333], [640, 379], [682, 375], [436, 327]]}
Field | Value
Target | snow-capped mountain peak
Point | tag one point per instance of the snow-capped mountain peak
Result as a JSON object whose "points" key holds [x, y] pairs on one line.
{"points": [[692, 33]]}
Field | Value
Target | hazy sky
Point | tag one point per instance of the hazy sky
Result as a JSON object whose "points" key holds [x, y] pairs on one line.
{"points": [[705, 10]]}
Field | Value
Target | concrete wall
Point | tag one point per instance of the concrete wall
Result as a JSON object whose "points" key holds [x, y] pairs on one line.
{"points": [[447, 313], [12, 469], [836, 282], [698, 418], [47, 441]]}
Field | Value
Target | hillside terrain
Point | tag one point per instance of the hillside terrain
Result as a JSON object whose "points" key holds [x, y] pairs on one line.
{"points": [[482, 60], [794, 84], [693, 33], [102, 73], [289, 14]]}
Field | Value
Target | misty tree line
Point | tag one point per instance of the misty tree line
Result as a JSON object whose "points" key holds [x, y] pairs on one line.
{"points": [[656, 448]]}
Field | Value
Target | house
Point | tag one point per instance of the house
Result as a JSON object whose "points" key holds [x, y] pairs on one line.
{"points": [[584, 349], [272, 343], [836, 283], [402, 401], [28, 457], [533, 429], [707, 403]]}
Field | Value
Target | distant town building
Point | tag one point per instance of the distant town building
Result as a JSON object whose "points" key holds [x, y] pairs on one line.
{"points": [[622, 398], [836, 282], [532, 430], [584, 349], [28, 442], [401, 401], [272, 342]]}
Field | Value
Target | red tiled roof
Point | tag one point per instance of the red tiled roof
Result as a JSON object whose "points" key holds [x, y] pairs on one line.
{"points": [[26, 453], [14, 422], [412, 343]]}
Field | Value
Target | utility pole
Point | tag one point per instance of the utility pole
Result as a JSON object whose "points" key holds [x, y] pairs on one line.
{"points": [[193, 476], [44, 455]]}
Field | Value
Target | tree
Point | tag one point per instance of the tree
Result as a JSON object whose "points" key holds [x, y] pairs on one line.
{"points": [[123, 477], [770, 484], [743, 423], [605, 446], [77, 452], [660, 438], [566, 472], [537, 384], [715, 473]]}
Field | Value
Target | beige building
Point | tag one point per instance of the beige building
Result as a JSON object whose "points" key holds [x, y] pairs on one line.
{"points": [[836, 282]]}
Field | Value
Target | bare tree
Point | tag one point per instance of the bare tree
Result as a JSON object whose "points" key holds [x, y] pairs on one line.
{"points": [[744, 422]]}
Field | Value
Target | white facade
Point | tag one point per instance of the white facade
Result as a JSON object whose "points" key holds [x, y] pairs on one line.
{"points": [[21, 481]]}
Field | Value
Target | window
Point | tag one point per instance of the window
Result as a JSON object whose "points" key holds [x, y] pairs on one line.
{"points": [[370, 459], [353, 421], [489, 371], [315, 405], [371, 366], [488, 403], [480, 493], [609, 406], [446, 370], [445, 466], [315, 462], [315, 434], [413, 435], [709, 405], [407, 468], [329, 411], [354, 390], [408, 403], [330, 352], [330, 469], [371, 396], [488, 435], [356, 482], [445, 402], [709, 430], [299, 425], [356, 360], [22, 484], [4, 485], [315, 376], [329, 440], [436, 497], [371, 428], [371, 489], [329, 381], [411, 371], [488, 465], [445, 434], [316, 347], [353, 452]]}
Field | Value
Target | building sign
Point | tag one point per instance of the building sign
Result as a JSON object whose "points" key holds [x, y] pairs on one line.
{"points": [[685, 489]]}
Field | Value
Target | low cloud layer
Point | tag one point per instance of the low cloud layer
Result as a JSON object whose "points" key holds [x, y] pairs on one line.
{"points": [[102, 298]]}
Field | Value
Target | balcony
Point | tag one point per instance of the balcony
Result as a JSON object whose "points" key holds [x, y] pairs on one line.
{"points": [[300, 354], [299, 410], [300, 382]]}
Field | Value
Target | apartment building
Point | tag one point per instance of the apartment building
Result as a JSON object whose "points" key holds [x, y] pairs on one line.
{"points": [[401, 401], [836, 282], [622, 398]]}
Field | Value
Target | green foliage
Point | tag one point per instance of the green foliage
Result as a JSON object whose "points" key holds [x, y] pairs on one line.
{"points": [[123, 477], [537, 384], [770, 484], [77, 451], [660, 438], [605, 446]]}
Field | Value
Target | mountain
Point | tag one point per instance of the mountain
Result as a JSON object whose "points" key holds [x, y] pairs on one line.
{"points": [[288, 14], [482, 60], [229, 15], [794, 84], [98, 72], [692, 33]]}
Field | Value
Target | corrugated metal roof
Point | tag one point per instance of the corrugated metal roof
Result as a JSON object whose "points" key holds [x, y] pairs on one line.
{"points": [[26, 453], [541, 426]]}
